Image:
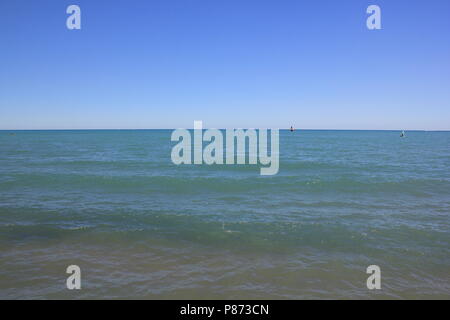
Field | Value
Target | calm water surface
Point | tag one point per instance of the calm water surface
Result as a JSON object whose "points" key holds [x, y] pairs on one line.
{"points": [[140, 227]]}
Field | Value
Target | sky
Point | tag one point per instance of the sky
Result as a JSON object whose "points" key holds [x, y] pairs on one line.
{"points": [[139, 64]]}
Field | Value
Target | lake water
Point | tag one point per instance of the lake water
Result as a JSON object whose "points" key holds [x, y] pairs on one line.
{"points": [[112, 202]]}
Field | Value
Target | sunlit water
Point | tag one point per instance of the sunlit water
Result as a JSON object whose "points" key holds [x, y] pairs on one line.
{"points": [[138, 226]]}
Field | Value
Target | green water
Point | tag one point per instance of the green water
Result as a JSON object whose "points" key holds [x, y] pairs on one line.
{"points": [[138, 226]]}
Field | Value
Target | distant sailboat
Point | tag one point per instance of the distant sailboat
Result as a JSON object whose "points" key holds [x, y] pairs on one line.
{"points": [[402, 135]]}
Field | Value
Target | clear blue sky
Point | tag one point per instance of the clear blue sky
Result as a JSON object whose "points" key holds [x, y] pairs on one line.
{"points": [[230, 63]]}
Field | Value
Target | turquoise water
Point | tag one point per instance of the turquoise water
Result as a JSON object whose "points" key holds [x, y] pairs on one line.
{"points": [[140, 227]]}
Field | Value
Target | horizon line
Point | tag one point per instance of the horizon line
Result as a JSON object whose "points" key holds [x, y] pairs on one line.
{"points": [[281, 129]]}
